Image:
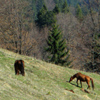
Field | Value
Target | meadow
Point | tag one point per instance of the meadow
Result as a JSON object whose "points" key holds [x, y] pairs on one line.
{"points": [[42, 81]]}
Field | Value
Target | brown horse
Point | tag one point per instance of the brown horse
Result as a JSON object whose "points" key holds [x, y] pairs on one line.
{"points": [[82, 78], [19, 66]]}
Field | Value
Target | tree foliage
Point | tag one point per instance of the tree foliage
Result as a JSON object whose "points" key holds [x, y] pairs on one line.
{"points": [[65, 8], [79, 12], [56, 10], [39, 4], [57, 47], [45, 17]]}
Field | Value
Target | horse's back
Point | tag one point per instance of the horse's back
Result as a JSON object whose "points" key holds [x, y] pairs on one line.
{"points": [[19, 61], [79, 74], [83, 77]]}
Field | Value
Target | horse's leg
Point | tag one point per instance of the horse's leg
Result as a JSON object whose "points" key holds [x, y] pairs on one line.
{"points": [[88, 84], [77, 82], [81, 83], [23, 73], [17, 72]]}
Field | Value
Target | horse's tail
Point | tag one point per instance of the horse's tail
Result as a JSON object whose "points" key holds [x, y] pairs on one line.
{"points": [[92, 83]]}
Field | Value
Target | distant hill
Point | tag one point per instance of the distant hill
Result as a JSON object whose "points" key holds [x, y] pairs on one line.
{"points": [[43, 81]]}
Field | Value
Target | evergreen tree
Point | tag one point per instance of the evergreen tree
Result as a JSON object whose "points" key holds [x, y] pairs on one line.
{"points": [[60, 3], [65, 8], [39, 4], [50, 18], [40, 16], [79, 13], [73, 2], [45, 17], [57, 47], [56, 10], [56, 1]]}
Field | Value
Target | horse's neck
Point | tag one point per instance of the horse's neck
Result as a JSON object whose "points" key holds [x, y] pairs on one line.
{"points": [[74, 76]]}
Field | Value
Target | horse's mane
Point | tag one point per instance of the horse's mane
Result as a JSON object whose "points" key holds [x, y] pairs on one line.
{"points": [[74, 76]]}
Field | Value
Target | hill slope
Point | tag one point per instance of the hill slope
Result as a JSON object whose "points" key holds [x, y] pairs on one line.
{"points": [[43, 81]]}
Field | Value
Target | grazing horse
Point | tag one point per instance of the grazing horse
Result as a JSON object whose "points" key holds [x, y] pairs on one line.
{"points": [[82, 78], [19, 66]]}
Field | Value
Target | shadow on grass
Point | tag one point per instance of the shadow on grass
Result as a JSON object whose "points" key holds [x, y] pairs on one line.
{"points": [[73, 84]]}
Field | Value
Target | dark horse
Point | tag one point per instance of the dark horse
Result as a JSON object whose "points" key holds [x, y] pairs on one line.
{"points": [[82, 78], [19, 66]]}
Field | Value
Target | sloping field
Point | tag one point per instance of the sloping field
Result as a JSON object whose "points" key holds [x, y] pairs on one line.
{"points": [[43, 81]]}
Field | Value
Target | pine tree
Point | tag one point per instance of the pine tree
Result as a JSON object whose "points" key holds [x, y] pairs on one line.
{"points": [[60, 3], [65, 8], [56, 10], [79, 13], [57, 47], [39, 4], [40, 16], [45, 17], [50, 18]]}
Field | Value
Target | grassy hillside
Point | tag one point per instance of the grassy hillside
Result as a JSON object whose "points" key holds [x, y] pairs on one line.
{"points": [[43, 81]]}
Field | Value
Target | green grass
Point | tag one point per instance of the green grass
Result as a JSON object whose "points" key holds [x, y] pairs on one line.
{"points": [[42, 81]]}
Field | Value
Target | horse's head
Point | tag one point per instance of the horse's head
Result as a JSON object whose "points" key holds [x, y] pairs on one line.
{"points": [[71, 78]]}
